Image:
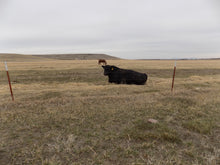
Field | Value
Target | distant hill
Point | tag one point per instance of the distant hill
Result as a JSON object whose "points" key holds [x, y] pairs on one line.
{"points": [[48, 57], [78, 56], [20, 58]]}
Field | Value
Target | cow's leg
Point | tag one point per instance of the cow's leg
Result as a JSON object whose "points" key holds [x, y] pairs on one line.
{"points": [[123, 81]]}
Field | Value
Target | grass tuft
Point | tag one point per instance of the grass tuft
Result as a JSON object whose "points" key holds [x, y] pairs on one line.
{"points": [[143, 131], [203, 126]]}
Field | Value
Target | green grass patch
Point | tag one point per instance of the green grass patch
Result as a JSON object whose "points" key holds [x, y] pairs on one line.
{"points": [[181, 73], [58, 76], [143, 131], [180, 102], [203, 126], [48, 95]]}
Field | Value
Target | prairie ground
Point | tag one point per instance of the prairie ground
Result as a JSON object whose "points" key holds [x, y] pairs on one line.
{"points": [[66, 112]]}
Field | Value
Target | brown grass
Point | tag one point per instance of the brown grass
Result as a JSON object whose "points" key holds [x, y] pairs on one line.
{"points": [[65, 112]]}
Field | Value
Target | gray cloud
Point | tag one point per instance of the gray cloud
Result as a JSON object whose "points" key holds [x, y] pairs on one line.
{"points": [[126, 28]]}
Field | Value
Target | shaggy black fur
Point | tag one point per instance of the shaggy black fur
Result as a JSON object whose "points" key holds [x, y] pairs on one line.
{"points": [[124, 76]]}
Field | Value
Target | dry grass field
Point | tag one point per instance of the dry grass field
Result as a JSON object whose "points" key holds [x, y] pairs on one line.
{"points": [[65, 112]]}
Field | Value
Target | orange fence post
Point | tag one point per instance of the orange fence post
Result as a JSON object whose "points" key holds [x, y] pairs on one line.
{"points": [[9, 82]]}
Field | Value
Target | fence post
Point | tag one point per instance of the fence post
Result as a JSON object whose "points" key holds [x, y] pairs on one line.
{"points": [[9, 82], [174, 72]]}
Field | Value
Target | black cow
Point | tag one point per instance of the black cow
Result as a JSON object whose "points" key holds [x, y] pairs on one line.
{"points": [[124, 76]]}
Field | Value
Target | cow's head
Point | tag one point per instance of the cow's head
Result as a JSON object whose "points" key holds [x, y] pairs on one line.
{"points": [[108, 69]]}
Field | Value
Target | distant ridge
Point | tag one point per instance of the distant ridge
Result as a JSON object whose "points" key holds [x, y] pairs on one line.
{"points": [[48, 57], [9, 57], [78, 56]]}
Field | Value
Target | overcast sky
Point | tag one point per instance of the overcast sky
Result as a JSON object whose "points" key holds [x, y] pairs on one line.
{"points": [[132, 29]]}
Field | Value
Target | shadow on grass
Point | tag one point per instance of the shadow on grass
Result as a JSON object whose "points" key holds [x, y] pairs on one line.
{"points": [[143, 131]]}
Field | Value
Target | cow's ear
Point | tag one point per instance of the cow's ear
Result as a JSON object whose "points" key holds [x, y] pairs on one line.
{"points": [[114, 68]]}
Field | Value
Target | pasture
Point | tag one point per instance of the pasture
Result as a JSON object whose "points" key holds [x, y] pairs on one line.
{"points": [[66, 112]]}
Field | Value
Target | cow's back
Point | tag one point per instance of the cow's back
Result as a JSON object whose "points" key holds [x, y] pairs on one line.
{"points": [[133, 77]]}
